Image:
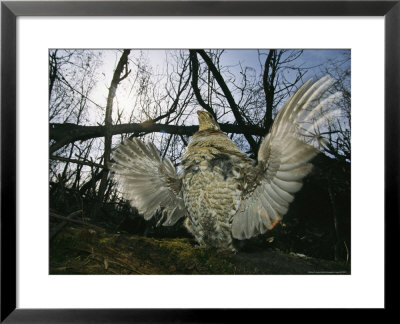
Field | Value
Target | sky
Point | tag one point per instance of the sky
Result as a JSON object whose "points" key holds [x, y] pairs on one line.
{"points": [[311, 58], [156, 59]]}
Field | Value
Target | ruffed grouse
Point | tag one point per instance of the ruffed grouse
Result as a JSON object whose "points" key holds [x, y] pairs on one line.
{"points": [[221, 191]]}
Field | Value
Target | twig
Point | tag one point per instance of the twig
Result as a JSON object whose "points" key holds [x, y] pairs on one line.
{"points": [[63, 159], [60, 226], [74, 221]]}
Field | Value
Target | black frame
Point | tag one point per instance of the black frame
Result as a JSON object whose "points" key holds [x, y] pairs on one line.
{"points": [[11, 10]]}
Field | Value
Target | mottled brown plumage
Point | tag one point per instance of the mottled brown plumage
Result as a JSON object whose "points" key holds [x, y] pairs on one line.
{"points": [[221, 191], [213, 182]]}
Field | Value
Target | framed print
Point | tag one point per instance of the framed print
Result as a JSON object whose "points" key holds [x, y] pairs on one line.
{"points": [[119, 117]]}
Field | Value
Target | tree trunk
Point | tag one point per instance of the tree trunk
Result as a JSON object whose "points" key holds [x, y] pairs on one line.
{"points": [[123, 62], [269, 89]]}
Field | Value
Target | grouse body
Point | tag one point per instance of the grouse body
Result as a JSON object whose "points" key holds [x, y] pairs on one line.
{"points": [[213, 181]]}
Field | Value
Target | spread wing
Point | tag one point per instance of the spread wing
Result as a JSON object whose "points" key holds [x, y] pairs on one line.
{"points": [[148, 182], [283, 159]]}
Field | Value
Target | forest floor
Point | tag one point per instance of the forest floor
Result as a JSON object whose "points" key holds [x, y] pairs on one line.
{"points": [[81, 250]]}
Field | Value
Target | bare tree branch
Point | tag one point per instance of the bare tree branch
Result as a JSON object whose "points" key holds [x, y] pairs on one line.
{"points": [[64, 134], [227, 93], [195, 82]]}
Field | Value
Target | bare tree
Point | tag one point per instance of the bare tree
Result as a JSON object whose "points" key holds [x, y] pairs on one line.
{"points": [[72, 77], [339, 144], [121, 72], [276, 85]]}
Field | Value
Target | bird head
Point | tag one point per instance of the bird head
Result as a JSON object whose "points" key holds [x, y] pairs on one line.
{"points": [[206, 121]]}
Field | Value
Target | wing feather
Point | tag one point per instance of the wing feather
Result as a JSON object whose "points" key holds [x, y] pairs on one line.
{"points": [[148, 182], [283, 158]]}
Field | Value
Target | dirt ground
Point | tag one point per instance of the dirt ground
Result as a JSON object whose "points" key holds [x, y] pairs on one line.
{"points": [[81, 250]]}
